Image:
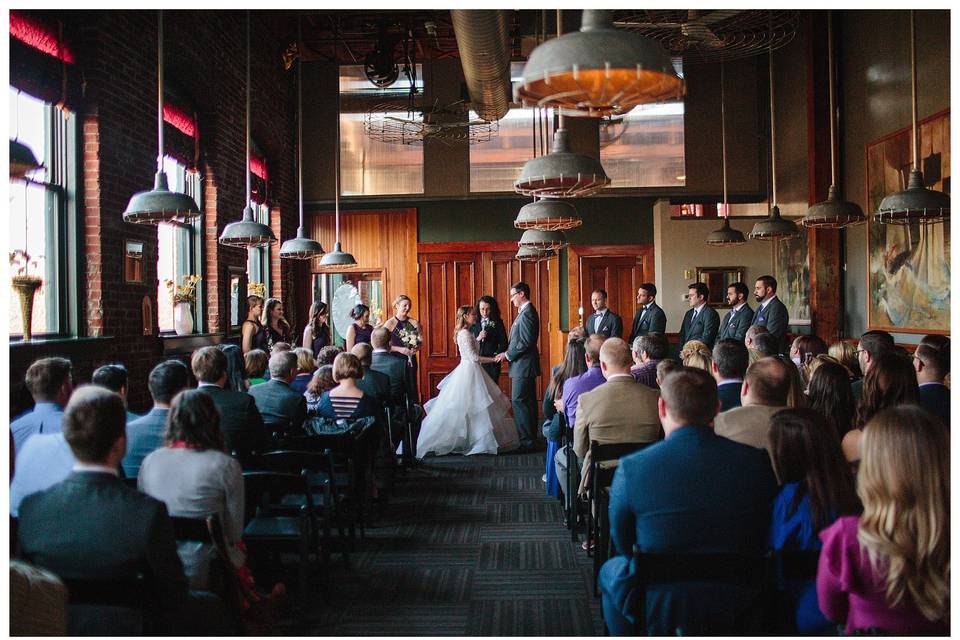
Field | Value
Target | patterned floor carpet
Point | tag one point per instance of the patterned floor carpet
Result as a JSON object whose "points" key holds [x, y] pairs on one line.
{"points": [[468, 546]]}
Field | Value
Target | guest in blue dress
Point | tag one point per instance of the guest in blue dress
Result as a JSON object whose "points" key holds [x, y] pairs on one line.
{"points": [[305, 369], [574, 363], [817, 489]]}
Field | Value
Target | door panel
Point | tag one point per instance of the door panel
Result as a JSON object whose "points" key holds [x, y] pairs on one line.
{"points": [[619, 276]]}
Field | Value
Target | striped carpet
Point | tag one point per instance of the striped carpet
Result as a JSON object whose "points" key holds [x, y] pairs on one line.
{"points": [[468, 546]]}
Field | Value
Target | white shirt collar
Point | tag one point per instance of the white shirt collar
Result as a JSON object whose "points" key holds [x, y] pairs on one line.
{"points": [[730, 381], [764, 305], [381, 351], [93, 468], [600, 312], [739, 306], [697, 308], [927, 384], [523, 306], [208, 384], [619, 375]]}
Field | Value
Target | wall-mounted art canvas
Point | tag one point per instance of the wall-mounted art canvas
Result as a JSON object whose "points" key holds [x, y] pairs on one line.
{"points": [[792, 271], [909, 265]]}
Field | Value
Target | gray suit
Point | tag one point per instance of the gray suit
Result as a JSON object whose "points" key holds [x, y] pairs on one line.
{"points": [[650, 320], [704, 328], [282, 408], [524, 361], [736, 323], [240, 421], [143, 436], [610, 326], [775, 318], [396, 370]]}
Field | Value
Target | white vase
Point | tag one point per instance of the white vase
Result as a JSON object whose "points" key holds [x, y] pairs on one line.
{"points": [[182, 318]]}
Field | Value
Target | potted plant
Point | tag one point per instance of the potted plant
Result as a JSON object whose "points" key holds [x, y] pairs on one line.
{"points": [[184, 295], [26, 285]]}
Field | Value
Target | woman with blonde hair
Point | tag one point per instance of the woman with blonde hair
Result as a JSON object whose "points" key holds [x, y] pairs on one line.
{"points": [[251, 331], [305, 368], [696, 354], [399, 326], [846, 354], [888, 571]]}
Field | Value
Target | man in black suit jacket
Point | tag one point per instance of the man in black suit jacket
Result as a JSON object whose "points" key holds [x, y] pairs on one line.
{"points": [[92, 526], [524, 359], [282, 408], [729, 365], [390, 365], [738, 320], [603, 320], [240, 421], [145, 434], [701, 322], [932, 366], [771, 313], [373, 382], [649, 318]]}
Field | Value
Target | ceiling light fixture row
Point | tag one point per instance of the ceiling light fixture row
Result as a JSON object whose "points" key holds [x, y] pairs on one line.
{"points": [[725, 236]]}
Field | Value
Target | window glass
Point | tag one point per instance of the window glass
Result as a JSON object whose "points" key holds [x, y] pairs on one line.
{"points": [[258, 259], [179, 252], [644, 147], [496, 164]]}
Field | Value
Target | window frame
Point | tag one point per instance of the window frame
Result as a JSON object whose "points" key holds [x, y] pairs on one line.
{"points": [[260, 257]]}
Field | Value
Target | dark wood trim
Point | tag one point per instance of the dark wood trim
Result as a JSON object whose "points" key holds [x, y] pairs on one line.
{"points": [[461, 247]]}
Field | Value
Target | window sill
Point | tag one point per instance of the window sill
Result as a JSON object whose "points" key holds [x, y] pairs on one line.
{"points": [[77, 349], [174, 345], [54, 341]]}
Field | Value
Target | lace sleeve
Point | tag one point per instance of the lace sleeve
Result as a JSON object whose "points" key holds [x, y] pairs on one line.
{"points": [[467, 344]]}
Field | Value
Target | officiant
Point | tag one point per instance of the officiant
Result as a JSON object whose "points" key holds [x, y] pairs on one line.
{"points": [[490, 333]]}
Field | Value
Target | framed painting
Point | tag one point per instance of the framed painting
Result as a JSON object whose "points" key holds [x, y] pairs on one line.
{"points": [[791, 260], [908, 269]]}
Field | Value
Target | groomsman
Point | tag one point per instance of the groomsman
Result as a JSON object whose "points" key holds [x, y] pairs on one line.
{"points": [[650, 318], [701, 322], [771, 313], [524, 359], [603, 320], [740, 317]]}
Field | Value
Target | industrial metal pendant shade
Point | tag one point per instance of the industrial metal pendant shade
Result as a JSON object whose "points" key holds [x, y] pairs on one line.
{"points": [[301, 247], [916, 203], [338, 257], [160, 204], [561, 173], [543, 240], [529, 254], [599, 70], [22, 160], [834, 212], [726, 235], [548, 215], [247, 233]]}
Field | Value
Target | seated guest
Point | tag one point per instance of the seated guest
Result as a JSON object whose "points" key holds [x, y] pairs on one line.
{"points": [[347, 400], [322, 381], [114, 378], [817, 488], [305, 369], [797, 395], [665, 367], [940, 343], [328, 353], [846, 354], [691, 347], [804, 349], [890, 381], [888, 571], [145, 434], [829, 394], [280, 347], [574, 363], [50, 382], [764, 392], [872, 344], [729, 365], [766, 345], [38, 601], [92, 526], [282, 408], [44, 460], [648, 350], [394, 368], [240, 420], [932, 365], [236, 368], [622, 410], [700, 358], [255, 365], [374, 383], [694, 492]]}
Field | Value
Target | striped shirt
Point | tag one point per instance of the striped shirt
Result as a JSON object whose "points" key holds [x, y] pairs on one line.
{"points": [[344, 406]]}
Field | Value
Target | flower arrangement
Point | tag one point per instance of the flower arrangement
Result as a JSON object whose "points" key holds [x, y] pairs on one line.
{"points": [[411, 339], [376, 314], [257, 289], [21, 262], [186, 292]]}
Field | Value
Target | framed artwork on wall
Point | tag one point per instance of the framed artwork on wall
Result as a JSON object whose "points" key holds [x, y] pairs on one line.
{"points": [[791, 260], [908, 269]]}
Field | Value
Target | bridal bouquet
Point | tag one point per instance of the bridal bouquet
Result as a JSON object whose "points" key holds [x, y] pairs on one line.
{"points": [[411, 339]]}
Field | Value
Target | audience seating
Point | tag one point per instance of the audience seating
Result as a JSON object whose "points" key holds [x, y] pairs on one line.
{"points": [[106, 607], [209, 530]]}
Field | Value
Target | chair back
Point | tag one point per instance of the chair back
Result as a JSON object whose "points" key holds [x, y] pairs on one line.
{"points": [[265, 488], [106, 606], [192, 529], [601, 477], [295, 462]]}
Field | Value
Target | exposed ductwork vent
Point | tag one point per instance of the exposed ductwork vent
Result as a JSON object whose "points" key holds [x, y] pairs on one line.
{"points": [[483, 37]]}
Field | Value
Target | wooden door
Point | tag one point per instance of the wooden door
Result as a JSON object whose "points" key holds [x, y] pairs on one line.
{"points": [[620, 277]]}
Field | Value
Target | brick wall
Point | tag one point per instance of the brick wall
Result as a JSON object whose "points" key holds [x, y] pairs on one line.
{"points": [[204, 61]]}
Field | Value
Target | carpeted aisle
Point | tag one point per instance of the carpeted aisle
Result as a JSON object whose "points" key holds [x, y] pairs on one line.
{"points": [[468, 546]]}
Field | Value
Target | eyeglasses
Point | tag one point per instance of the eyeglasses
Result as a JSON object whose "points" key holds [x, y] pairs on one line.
{"points": [[513, 293]]}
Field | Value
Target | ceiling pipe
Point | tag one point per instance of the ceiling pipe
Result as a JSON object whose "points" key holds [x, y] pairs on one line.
{"points": [[483, 37]]}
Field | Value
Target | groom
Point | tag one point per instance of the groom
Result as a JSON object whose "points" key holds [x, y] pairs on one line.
{"points": [[524, 362]]}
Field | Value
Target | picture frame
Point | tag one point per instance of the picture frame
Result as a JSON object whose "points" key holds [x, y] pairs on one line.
{"points": [[791, 260]]}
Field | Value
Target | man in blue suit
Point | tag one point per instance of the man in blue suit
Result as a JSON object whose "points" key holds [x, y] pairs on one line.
{"points": [[771, 313], [932, 366], [740, 316], [650, 318], [145, 434], [50, 382], [701, 322], [693, 492]]}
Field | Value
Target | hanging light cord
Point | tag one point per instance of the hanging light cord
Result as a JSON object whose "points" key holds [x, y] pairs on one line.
{"points": [[773, 137], [723, 140], [562, 120], [913, 92], [336, 175], [300, 114], [247, 167], [160, 90], [833, 113]]}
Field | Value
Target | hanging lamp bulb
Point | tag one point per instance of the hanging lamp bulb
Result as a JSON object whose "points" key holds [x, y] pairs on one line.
{"points": [[338, 257], [248, 233], [301, 247], [160, 204], [916, 203], [726, 235]]}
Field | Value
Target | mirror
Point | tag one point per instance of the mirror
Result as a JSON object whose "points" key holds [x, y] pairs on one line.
{"points": [[343, 291], [133, 262], [717, 280], [237, 284]]}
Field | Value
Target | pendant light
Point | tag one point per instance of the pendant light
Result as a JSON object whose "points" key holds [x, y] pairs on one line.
{"points": [[160, 204], [548, 215], [599, 70], [529, 254], [774, 227], [338, 257], [247, 233], [543, 240], [300, 247], [725, 236], [22, 160], [916, 203], [834, 212]]}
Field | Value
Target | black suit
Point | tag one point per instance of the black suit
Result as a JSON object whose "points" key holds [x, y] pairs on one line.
{"points": [[396, 371], [375, 384], [493, 343], [610, 325], [240, 420], [935, 398], [704, 327], [729, 395], [653, 321]]}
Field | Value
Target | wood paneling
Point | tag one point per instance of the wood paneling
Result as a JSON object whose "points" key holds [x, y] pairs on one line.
{"points": [[619, 269]]}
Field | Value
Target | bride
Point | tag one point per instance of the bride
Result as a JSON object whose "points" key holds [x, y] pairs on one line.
{"points": [[471, 415]]}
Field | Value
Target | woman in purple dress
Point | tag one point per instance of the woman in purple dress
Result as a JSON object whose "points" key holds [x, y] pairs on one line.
{"points": [[401, 323], [275, 326], [316, 335], [360, 329]]}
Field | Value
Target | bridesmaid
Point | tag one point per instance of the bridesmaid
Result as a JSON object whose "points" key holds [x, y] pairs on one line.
{"points": [[253, 335], [275, 326], [401, 321], [316, 335], [490, 333], [360, 329]]}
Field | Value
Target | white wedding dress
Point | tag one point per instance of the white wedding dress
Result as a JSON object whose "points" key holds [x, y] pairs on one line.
{"points": [[471, 415]]}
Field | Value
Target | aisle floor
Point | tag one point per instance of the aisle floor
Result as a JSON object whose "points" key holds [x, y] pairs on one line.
{"points": [[468, 546]]}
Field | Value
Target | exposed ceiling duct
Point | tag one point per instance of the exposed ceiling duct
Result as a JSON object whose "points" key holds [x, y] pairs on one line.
{"points": [[483, 37]]}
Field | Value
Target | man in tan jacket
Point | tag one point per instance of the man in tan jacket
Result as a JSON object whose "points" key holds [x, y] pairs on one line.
{"points": [[622, 410], [764, 392]]}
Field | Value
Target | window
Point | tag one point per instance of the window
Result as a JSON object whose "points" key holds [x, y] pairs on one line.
{"points": [[180, 248], [495, 165], [368, 166], [42, 213], [644, 147], [258, 259]]}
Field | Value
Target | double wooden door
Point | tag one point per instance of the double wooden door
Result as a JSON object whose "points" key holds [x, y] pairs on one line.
{"points": [[618, 270], [451, 275]]}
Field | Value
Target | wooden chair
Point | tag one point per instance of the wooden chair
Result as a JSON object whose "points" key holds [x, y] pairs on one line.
{"points": [[224, 581]]}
